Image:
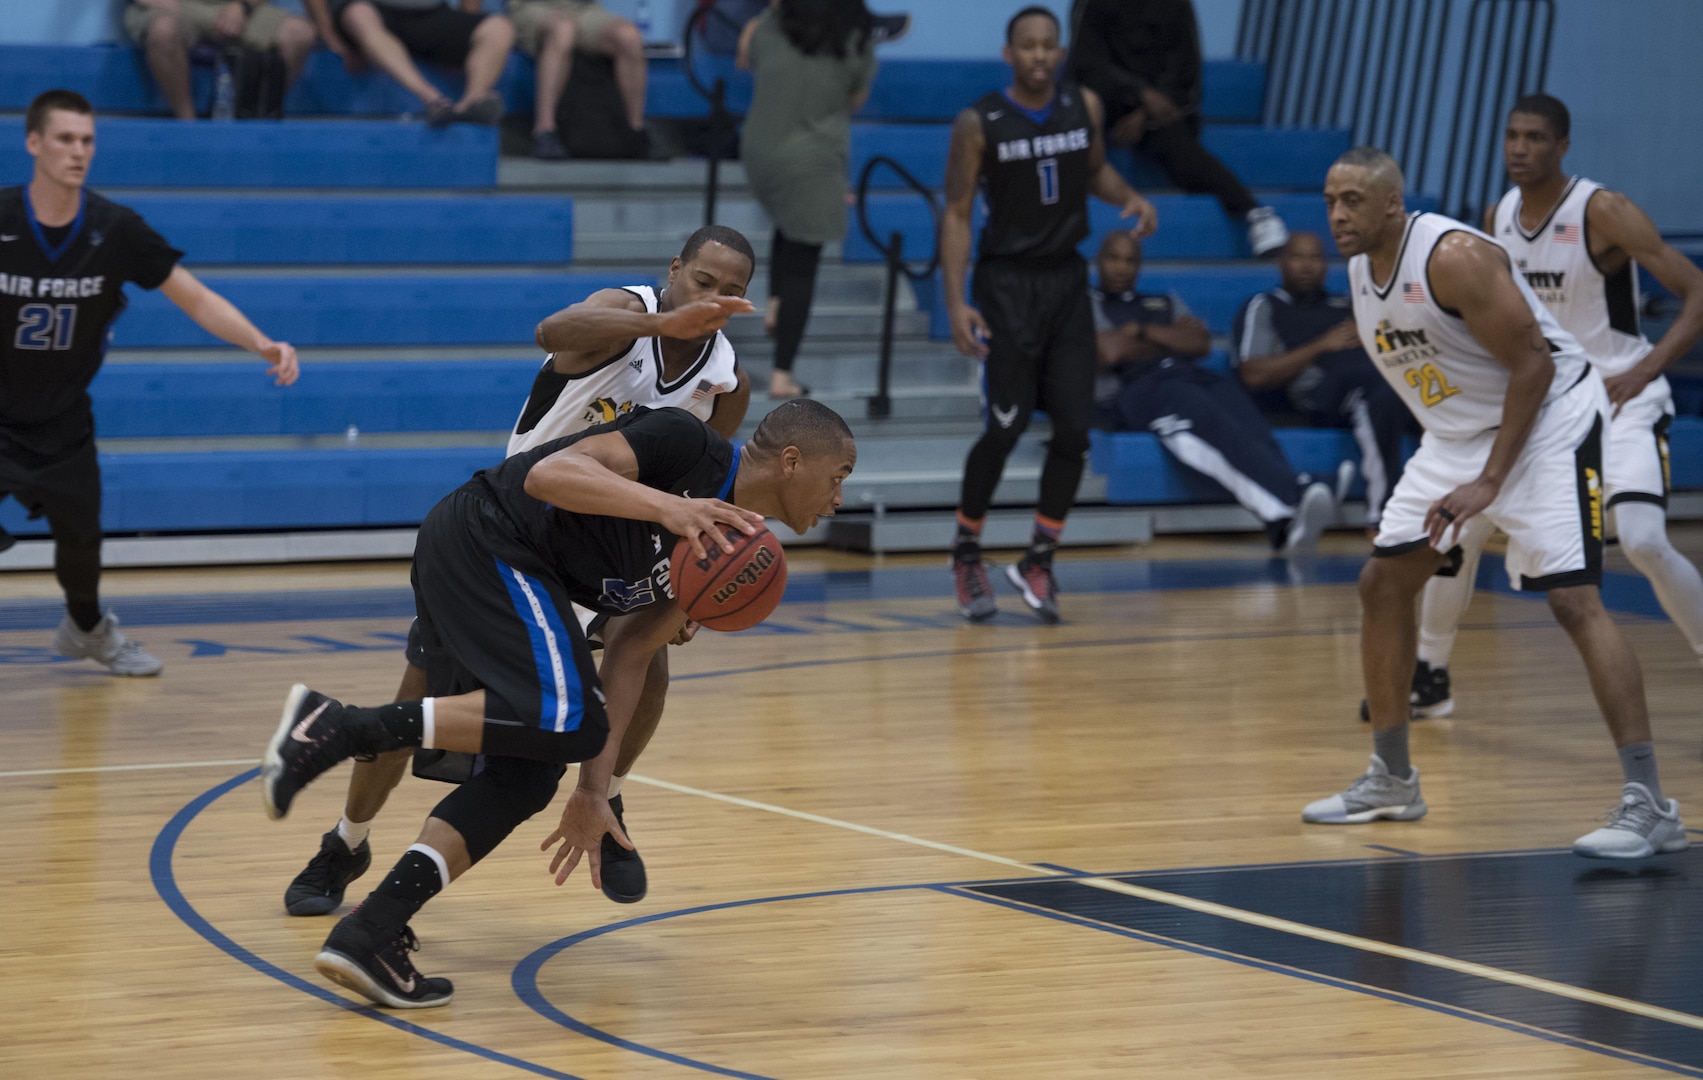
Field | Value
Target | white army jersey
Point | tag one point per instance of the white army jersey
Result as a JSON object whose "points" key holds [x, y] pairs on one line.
{"points": [[562, 405], [1600, 310], [1450, 382]]}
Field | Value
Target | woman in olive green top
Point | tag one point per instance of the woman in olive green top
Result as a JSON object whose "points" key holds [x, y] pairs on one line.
{"points": [[812, 62]]}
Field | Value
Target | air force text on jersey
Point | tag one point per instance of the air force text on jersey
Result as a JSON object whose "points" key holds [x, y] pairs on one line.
{"points": [[51, 288], [1044, 146]]}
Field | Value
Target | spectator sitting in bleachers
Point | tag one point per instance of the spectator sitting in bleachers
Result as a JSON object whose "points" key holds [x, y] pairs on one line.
{"points": [[390, 34], [1206, 422], [167, 30], [1143, 58], [1299, 355], [550, 31]]}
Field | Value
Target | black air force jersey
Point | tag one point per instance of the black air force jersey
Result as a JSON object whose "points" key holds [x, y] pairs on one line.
{"points": [[1035, 176], [60, 291], [616, 564]]}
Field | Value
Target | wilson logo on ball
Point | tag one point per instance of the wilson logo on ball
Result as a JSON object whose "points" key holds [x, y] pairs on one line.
{"points": [[749, 574], [731, 590]]}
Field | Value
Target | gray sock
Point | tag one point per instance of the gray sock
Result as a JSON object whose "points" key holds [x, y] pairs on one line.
{"points": [[1638, 762], [1391, 745]]}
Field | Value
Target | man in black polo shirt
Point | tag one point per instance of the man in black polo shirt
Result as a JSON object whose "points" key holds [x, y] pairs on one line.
{"points": [[1297, 352], [65, 255], [1149, 344]]}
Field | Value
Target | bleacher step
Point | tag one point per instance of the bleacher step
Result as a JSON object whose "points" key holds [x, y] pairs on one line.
{"points": [[931, 530]]}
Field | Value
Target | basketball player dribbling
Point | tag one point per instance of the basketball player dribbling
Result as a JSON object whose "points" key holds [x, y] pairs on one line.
{"points": [[1514, 416], [1579, 246]]}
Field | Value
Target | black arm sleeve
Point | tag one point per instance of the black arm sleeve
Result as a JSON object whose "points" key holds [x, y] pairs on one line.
{"points": [[149, 259]]}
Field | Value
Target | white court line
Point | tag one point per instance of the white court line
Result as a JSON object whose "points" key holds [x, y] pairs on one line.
{"points": [[1251, 918], [131, 768]]}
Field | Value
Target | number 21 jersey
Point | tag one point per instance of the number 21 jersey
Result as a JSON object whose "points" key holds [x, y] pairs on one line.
{"points": [[1447, 378]]}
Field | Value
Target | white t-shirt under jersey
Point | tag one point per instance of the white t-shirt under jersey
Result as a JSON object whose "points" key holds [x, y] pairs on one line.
{"points": [[1555, 258], [562, 405], [1450, 382]]}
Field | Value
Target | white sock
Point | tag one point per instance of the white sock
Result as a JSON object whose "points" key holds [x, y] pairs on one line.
{"points": [[354, 833], [615, 785], [428, 724], [1679, 587], [433, 854]]}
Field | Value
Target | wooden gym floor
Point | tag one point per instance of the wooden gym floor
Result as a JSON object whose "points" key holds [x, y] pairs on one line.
{"points": [[881, 843]]}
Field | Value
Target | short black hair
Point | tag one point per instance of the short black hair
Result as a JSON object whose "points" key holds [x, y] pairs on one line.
{"points": [[35, 120], [802, 422], [717, 234], [1550, 108], [1032, 9]]}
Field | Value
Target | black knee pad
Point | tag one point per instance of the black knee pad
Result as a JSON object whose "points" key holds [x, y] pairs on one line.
{"points": [[494, 803]]}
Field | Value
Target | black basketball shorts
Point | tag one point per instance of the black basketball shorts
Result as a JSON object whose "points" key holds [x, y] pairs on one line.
{"points": [[1041, 352]]}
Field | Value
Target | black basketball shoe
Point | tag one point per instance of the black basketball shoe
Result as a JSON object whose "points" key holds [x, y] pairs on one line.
{"points": [[1430, 698], [623, 871], [313, 734], [374, 963], [318, 890]]}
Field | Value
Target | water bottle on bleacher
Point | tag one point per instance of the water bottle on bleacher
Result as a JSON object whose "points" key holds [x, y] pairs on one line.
{"points": [[224, 91]]}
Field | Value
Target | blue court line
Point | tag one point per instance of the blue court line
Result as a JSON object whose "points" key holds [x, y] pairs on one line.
{"points": [[1628, 594], [165, 883]]}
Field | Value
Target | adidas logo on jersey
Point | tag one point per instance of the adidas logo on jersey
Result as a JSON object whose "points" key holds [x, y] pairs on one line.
{"points": [[637, 363]]}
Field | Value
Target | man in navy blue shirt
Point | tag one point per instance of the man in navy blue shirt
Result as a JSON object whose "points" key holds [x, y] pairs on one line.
{"points": [[1147, 346], [1297, 352]]}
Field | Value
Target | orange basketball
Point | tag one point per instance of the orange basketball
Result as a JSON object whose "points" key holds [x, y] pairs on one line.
{"points": [[730, 592]]}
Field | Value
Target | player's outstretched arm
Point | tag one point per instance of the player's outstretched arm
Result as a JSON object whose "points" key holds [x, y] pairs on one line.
{"points": [[600, 475], [219, 317], [1614, 218], [1104, 182], [963, 168], [1473, 276], [607, 322], [629, 644]]}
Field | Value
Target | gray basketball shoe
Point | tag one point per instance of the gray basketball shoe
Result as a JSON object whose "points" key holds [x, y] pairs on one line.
{"points": [[1376, 794], [105, 644], [1636, 829]]}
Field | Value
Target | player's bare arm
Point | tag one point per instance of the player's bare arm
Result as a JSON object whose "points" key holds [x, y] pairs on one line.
{"points": [[1473, 276], [600, 475], [629, 643], [1620, 232], [1104, 183], [730, 408], [221, 318], [963, 169], [607, 322]]}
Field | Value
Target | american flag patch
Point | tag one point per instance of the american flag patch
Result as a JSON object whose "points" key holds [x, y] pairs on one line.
{"points": [[1413, 292], [1566, 234], [704, 390]]}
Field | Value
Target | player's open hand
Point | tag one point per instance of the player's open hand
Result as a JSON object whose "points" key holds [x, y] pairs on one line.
{"points": [[692, 518], [701, 318], [1458, 507], [281, 363], [1137, 207], [1626, 386], [970, 332], [584, 821]]}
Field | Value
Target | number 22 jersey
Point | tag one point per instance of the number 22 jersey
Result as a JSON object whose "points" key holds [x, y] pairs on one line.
{"points": [[1448, 379], [60, 290]]}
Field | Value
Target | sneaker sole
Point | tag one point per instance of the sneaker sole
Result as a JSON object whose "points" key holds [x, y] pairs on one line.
{"points": [[977, 617], [1410, 812], [272, 763], [1029, 597], [1443, 708], [352, 976], [1670, 847]]}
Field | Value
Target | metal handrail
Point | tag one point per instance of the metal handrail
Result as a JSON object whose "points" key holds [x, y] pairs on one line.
{"points": [[881, 404], [722, 121], [1377, 67]]}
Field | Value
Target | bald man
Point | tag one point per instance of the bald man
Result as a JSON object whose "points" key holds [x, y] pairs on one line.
{"points": [[1297, 352], [1147, 344], [1514, 416]]}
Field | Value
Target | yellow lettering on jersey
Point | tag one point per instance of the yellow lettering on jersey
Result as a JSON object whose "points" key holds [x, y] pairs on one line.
{"points": [[1593, 489], [1667, 468], [1433, 388]]}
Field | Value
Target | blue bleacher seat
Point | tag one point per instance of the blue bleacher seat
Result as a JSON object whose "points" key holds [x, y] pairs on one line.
{"points": [[259, 153], [483, 309], [324, 229], [145, 400]]}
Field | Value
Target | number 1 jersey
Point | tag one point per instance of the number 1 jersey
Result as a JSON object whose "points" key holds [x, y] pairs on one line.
{"points": [[60, 290], [1035, 176]]}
